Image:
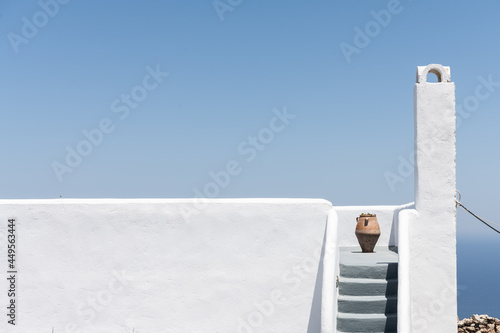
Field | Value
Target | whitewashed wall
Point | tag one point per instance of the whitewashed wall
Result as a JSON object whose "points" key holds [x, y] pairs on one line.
{"points": [[242, 265], [432, 225]]}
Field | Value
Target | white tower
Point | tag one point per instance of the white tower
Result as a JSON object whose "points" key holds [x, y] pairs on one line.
{"points": [[433, 286]]}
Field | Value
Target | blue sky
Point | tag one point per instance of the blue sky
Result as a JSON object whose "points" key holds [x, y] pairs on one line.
{"points": [[352, 124]]}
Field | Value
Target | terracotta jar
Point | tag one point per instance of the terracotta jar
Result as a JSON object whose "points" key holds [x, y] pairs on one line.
{"points": [[367, 231]]}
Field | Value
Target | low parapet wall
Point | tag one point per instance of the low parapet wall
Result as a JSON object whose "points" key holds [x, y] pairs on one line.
{"points": [[240, 265]]}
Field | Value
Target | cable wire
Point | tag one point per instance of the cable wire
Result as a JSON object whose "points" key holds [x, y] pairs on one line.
{"points": [[477, 217]]}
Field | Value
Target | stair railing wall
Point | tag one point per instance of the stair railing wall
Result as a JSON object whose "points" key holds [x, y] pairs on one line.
{"points": [[329, 294]]}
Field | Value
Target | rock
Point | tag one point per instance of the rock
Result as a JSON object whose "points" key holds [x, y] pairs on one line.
{"points": [[479, 323]]}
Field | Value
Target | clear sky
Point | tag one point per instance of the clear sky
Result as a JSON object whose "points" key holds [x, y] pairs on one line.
{"points": [[342, 120], [351, 97]]}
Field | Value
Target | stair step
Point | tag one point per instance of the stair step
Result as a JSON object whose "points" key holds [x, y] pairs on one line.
{"points": [[384, 270], [368, 304], [347, 322], [367, 287]]}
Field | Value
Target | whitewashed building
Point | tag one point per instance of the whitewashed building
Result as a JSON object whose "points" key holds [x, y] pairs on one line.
{"points": [[242, 265]]}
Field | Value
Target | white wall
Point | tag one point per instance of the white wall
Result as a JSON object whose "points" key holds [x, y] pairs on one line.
{"points": [[331, 269], [141, 264], [433, 225]]}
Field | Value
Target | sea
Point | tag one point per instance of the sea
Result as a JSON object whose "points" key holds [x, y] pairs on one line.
{"points": [[478, 264]]}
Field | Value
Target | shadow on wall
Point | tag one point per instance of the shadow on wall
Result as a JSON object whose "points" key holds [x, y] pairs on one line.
{"points": [[393, 238], [314, 325]]}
